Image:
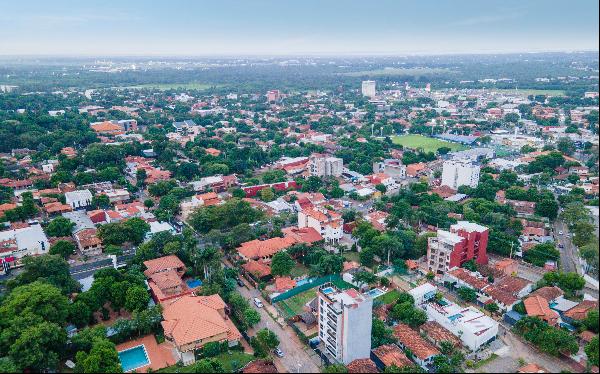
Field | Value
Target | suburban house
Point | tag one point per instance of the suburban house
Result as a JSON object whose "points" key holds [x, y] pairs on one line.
{"points": [[536, 306], [423, 352], [189, 322], [88, 243], [165, 278]]}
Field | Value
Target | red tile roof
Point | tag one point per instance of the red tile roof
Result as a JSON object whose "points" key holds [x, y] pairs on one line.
{"points": [[283, 284], [413, 341], [255, 249], [580, 311], [162, 264], [391, 354], [536, 306], [548, 293], [438, 333], [257, 268], [362, 365]]}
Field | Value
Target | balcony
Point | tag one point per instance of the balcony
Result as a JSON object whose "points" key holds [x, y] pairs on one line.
{"points": [[333, 326]]}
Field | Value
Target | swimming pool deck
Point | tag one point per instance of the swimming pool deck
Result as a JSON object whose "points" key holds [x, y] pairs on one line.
{"points": [[160, 355]]}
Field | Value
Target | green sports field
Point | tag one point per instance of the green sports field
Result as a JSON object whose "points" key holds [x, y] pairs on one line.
{"points": [[426, 143]]}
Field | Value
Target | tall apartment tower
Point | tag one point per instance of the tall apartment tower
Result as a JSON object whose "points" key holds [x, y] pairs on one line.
{"points": [[465, 241], [458, 173], [368, 89], [322, 166], [344, 319]]}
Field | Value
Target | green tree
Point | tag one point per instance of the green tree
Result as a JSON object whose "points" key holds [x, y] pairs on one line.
{"points": [[39, 347], [591, 320], [101, 201], [60, 226], [62, 248], [136, 299], [102, 358], [467, 294], [591, 350], [79, 314], [251, 316], [282, 264], [335, 368], [37, 298], [7, 365], [267, 339], [566, 146], [267, 194]]}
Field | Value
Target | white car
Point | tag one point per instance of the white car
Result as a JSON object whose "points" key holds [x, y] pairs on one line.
{"points": [[560, 233], [258, 303]]}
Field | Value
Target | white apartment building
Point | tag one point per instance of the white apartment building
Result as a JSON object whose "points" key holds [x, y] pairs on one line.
{"points": [[458, 173], [368, 89], [345, 319], [321, 166], [468, 323], [327, 223]]}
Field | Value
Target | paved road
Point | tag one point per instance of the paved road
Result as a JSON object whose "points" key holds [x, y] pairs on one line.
{"points": [[568, 253], [296, 355]]}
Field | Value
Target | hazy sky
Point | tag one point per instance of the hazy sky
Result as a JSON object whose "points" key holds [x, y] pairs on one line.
{"points": [[278, 27]]}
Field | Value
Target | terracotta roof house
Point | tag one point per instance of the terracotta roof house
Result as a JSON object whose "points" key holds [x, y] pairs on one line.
{"points": [[192, 321], [437, 333], [537, 306], [88, 243], [57, 207], [390, 354], [423, 351], [257, 249], [283, 284], [160, 264], [307, 235], [580, 311], [507, 266], [549, 293], [362, 365], [259, 269]]}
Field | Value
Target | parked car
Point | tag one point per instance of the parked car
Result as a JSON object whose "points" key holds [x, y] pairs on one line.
{"points": [[560, 233], [240, 282], [258, 303], [278, 352]]}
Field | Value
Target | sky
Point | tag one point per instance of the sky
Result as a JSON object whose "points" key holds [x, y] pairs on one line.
{"points": [[299, 27]]}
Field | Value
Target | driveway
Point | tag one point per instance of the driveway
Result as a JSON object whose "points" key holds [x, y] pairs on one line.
{"points": [[298, 358]]}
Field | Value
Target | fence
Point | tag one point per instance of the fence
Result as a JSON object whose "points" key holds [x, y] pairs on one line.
{"points": [[307, 286]]}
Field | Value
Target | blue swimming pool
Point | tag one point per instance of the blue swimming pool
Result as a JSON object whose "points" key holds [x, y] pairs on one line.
{"points": [[327, 290], [454, 317], [303, 281], [134, 358], [193, 283], [375, 292]]}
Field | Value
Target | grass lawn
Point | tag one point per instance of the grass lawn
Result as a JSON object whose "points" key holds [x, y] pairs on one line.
{"points": [[486, 361], [295, 304], [389, 297], [352, 256], [299, 270], [426, 143], [231, 362]]}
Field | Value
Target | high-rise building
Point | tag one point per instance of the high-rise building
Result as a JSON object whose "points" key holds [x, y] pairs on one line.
{"points": [[322, 166], [273, 95], [368, 89], [465, 241], [458, 173], [344, 319]]}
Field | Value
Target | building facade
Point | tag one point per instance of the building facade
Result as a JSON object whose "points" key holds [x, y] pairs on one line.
{"points": [[368, 89], [322, 166], [465, 241], [344, 319], [458, 173]]}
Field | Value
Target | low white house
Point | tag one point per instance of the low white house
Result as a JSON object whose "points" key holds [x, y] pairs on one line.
{"points": [[26, 241], [79, 199]]}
